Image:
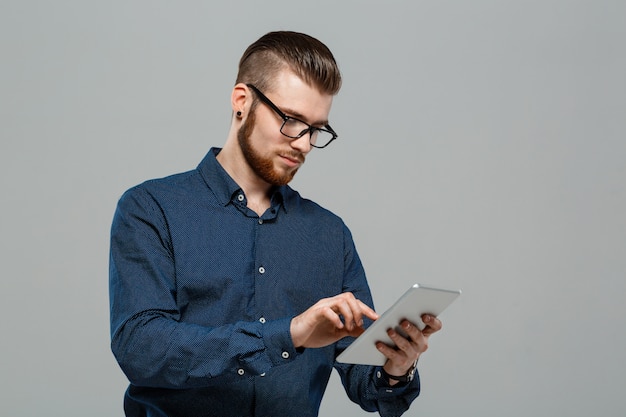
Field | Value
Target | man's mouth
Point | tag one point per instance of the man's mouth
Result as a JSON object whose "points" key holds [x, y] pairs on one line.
{"points": [[293, 160]]}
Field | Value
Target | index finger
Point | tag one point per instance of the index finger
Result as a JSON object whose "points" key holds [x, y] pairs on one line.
{"points": [[368, 311], [353, 310]]}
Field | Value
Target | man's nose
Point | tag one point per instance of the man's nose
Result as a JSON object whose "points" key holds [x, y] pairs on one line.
{"points": [[303, 143]]}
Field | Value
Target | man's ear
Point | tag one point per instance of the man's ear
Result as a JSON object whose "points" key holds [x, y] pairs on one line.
{"points": [[241, 99]]}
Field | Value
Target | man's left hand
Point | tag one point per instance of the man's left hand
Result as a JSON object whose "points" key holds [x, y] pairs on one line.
{"points": [[407, 350]]}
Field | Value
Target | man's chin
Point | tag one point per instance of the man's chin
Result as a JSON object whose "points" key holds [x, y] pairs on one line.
{"points": [[282, 177]]}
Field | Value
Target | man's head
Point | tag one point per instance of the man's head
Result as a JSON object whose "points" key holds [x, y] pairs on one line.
{"points": [[282, 76], [304, 55]]}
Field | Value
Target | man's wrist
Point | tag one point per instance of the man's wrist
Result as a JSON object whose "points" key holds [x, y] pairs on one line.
{"points": [[408, 376]]}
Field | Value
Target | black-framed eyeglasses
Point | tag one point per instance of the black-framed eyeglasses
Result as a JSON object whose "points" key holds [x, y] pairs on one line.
{"points": [[295, 128]]}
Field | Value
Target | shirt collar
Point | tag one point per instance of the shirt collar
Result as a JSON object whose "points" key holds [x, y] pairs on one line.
{"points": [[224, 187]]}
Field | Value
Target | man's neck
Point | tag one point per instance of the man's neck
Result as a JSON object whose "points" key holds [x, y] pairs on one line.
{"points": [[257, 191]]}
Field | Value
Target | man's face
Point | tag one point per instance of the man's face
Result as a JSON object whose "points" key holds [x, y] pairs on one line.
{"points": [[273, 157]]}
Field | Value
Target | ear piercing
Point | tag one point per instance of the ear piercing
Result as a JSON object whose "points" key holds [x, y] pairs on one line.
{"points": [[238, 114]]}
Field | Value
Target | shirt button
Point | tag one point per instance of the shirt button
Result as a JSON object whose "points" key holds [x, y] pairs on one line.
{"points": [[379, 375], [263, 374], [262, 320], [285, 355], [241, 371], [240, 197], [260, 221], [261, 270]]}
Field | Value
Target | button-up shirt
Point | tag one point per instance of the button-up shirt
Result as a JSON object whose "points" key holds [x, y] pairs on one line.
{"points": [[203, 290]]}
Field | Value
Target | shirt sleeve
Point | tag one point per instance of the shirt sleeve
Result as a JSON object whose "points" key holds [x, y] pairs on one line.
{"points": [[364, 384], [149, 342]]}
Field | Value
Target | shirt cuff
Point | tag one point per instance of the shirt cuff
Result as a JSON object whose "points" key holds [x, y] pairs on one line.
{"points": [[385, 389], [278, 342]]}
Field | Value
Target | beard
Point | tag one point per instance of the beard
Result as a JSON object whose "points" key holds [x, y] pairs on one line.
{"points": [[263, 166]]}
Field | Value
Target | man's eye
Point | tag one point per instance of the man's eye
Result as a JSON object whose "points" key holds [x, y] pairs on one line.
{"points": [[293, 122]]}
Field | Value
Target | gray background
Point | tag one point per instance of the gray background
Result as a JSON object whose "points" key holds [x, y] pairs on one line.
{"points": [[482, 147]]}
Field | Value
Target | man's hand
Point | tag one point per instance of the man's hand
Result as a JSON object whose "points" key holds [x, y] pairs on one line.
{"points": [[322, 324], [408, 350]]}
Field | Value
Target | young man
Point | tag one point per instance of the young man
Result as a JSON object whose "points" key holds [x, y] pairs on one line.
{"points": [[231, 295]]}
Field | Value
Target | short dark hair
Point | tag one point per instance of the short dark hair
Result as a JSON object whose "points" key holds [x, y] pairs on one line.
{"points": [[306, 56]]}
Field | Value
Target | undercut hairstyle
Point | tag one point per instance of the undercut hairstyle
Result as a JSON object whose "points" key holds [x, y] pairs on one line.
{"points": [[306, 56]]}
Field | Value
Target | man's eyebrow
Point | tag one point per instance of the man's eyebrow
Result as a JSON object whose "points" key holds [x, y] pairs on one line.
{"points": [[298, 115]]}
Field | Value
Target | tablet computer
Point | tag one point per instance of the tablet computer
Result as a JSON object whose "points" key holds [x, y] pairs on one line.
{"points": [[415, 302]]}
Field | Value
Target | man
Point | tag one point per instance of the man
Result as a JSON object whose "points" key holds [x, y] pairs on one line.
{"points": [[231, 295]]}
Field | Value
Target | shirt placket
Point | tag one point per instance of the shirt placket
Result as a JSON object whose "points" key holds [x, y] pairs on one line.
{"points": [[263, 272]]}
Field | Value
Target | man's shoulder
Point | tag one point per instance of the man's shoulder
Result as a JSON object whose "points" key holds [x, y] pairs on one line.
{"points": [[169, 186], [309, 207], [170, 182]]}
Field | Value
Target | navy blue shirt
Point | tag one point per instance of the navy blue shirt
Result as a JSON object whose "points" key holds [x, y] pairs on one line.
{"points": [[202, 293]]}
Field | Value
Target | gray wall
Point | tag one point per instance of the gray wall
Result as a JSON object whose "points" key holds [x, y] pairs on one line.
{"points": [[482, 147]]}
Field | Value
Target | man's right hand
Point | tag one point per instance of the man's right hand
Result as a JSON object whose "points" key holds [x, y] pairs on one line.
{"points": [[322, 325]]}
